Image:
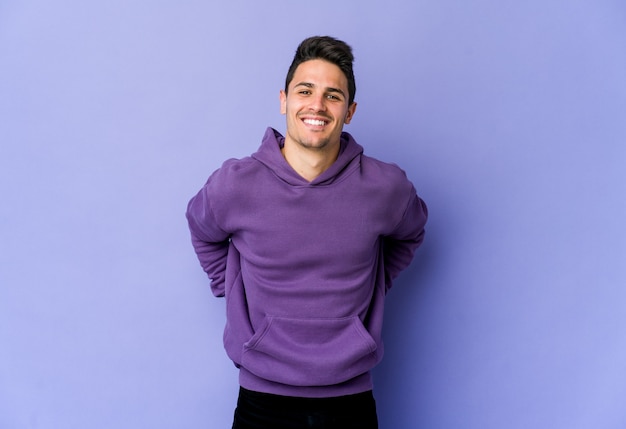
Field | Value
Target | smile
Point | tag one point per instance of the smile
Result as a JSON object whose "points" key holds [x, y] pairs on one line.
{"points": [[314, 122]]}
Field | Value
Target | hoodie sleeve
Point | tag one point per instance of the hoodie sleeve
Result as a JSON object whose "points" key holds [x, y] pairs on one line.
{"points": [[209, 241], [400, 245]]}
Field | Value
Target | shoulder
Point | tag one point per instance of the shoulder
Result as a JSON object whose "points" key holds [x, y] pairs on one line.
{"points": [[236, 166], [225, 187], [232, 172], [227, 183], [387, 184], [386, 173]]}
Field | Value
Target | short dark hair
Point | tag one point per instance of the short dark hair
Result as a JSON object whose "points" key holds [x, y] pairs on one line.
{"points": [[329, 49]]}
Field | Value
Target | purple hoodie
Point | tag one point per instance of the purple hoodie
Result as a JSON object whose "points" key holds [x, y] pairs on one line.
{"points": [[305, 266]]}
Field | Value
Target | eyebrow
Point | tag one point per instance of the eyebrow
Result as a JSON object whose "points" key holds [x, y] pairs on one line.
{"points": [[329, 89]]}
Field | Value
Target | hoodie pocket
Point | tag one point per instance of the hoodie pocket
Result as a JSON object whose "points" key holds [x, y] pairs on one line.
{"points": [[310, 352]]}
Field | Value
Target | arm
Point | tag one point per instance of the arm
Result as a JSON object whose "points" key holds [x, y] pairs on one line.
{"points": [[209, 241], [400, 245]]}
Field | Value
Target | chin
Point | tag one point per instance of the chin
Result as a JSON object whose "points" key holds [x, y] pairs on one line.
{"points": [[315, 144]]}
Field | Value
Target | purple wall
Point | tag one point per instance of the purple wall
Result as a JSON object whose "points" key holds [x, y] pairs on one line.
{"points": [[509, 118]]}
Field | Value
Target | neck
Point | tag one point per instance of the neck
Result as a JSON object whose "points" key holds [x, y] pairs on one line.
{"points": [[309, 163]]}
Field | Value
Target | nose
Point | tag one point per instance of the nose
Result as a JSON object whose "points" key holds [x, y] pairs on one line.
{"points": [[317, 102]]}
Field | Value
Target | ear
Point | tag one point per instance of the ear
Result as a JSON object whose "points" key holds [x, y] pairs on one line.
{"points": [[283, 102], [350, 113]]}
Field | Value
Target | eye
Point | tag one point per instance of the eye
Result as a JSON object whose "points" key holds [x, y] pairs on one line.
{"points": [[332, 97], [304, 92]]}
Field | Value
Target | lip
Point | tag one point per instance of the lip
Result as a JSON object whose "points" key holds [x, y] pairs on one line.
{"points": [[315, 121]]}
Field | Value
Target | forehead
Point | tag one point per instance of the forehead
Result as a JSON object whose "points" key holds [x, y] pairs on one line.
{"points": [[320, 73]]}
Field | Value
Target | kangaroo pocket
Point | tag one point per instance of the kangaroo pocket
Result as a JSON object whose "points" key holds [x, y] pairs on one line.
{"points": [[310, 352]]}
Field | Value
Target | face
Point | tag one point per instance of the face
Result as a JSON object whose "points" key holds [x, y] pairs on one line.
{"points": [[316, 105]]}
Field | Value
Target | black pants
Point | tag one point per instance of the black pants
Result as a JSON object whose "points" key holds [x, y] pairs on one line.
{"points": [[265, 411]]}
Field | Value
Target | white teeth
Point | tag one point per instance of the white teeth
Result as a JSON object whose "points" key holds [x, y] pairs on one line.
{"points": [[314, 122]]}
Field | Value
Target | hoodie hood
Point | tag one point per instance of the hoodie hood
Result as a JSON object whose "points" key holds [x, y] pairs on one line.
{"points": [[269, 154]]}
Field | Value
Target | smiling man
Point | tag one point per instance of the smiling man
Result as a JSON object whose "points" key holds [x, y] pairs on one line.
{"points": [[304, 239], [317, 104]]}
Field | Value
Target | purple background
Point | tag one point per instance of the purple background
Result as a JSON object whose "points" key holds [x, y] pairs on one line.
{"points": [[510, 118]]}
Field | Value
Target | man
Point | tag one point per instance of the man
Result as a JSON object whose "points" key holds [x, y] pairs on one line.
{"points": [[304, 238]]}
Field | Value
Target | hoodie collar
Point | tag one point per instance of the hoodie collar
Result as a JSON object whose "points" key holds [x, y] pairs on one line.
{"points": [[270, 155]]}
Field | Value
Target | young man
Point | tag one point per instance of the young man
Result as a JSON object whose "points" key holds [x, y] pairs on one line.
{"points": [[304, 238]]}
